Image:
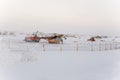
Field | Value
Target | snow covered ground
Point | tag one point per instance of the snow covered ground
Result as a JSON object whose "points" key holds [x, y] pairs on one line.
{"points": [[72, 60]]}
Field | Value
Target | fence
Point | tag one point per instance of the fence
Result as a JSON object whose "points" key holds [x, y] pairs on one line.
{"points": [[75, 46]]}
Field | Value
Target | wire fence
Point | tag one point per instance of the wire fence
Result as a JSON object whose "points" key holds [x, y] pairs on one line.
{"points": [[75, 46]]}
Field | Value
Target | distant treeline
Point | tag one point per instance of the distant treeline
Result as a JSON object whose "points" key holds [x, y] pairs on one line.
{"points": [[7, 33]]}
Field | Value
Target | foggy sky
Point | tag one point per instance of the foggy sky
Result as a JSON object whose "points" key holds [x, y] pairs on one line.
{"points": [[79, 16]]}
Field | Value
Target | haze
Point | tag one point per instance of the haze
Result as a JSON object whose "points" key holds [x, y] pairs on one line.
{"points": [[75, 16]]}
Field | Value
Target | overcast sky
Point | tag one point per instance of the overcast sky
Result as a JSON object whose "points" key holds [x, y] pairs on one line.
{"points": [[78, 16]]}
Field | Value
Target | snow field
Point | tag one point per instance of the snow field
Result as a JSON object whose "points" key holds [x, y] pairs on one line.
{"points": [[72, 60]]}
